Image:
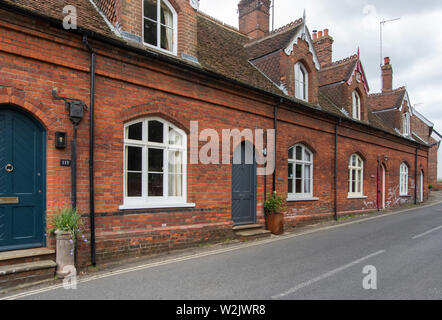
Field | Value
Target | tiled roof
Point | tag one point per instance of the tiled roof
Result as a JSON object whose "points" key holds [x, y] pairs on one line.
{"points": [[87, 16], [221, 50], [387, 100], [373, 119], [388, 118], [328, 105], [276, 40], [337, 71]]}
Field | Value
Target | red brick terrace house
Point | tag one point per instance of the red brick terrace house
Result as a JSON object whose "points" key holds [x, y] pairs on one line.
{"points": [[145, 70]]}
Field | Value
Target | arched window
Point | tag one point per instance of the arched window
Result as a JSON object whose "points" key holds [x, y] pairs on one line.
{"points": [[404, 180], [159, 25], [356, 106], [301, 82], [356, 176], [155, 156], [406, 124], [300, 175]]}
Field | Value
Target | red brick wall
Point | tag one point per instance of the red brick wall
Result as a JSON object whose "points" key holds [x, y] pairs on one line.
{"points": [[128, 86], [254, 18], [324, 49]]}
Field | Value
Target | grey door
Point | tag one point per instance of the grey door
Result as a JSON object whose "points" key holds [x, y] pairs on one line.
{"points": [[244, 186]]}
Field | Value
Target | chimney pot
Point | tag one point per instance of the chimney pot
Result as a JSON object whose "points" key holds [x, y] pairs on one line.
{"points": [[315, 35], [387, 60], [324, 47]]}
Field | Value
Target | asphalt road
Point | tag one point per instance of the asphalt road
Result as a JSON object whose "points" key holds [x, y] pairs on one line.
{"points": [[405, 249]]}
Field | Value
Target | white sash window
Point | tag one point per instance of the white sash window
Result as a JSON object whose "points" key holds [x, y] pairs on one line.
{"points": [[356, 176], [160, 25], [301, 82], [155, 157]]}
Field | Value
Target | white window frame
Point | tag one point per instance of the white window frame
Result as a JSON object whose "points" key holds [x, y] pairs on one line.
{"points": [[175, 27], [356, 105], [165, 201], [304, 195], [406, 124], [359, 182], [403, 181], [301, 87]]}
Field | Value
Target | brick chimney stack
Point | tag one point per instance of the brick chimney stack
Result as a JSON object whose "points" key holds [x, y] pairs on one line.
{"points": [[387, 76], [254, 17], [323, 44]]}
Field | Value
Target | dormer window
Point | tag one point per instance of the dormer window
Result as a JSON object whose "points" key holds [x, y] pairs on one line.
{"points": [[356, 106], [159, 25], [406, 124], [301, 82]]}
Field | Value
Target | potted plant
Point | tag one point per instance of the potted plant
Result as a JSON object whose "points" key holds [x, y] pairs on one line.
{"points": [[67, 226], [273, 208]]}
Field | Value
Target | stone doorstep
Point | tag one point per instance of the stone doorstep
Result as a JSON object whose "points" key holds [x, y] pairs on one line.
{"points": [[253, 233], [26, 267], [28, 253], [247, 227]]}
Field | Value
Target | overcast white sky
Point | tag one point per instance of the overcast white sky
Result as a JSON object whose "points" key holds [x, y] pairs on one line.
{"points": [[413, 43]]}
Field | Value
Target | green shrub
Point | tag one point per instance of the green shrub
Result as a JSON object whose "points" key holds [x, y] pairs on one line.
{"points": [[67, 219], [275, 204]]}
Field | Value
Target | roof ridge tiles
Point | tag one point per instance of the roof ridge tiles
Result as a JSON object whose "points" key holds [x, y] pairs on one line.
{"points": [[222, 23], [282, 29], [340, 62], [397, 90]]}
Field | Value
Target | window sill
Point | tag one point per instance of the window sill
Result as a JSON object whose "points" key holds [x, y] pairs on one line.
{"points": [[293, 199], [404, 196], [156, 206], [357, 197]]}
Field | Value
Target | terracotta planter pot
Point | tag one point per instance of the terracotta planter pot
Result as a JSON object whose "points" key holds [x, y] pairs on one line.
{"points": [[64, 259], [275, 223]]}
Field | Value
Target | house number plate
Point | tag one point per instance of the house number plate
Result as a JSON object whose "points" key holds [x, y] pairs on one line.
{"points": [[9, 200]]}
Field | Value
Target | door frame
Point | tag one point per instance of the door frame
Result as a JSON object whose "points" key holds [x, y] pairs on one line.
{"points": [[255, 182], [43, 131], [383, 185]]}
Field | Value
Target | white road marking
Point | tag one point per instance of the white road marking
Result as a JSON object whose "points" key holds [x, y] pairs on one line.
{"points": [[247, 245], [325, 275], [425, 233]]}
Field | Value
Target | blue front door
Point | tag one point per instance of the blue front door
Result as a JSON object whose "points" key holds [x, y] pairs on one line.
{"points": [[22, 209]]}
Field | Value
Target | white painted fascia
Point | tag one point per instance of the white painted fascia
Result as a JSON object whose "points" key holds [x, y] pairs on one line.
{"points": [[417, 136], [305, 36], [109, 24], [422, 118], [407, 99]]}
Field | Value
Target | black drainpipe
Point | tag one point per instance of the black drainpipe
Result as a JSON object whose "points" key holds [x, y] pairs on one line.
{"points": [[74, 169], [275, 126], [336, 171], [91, 151], [415, 176]]}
